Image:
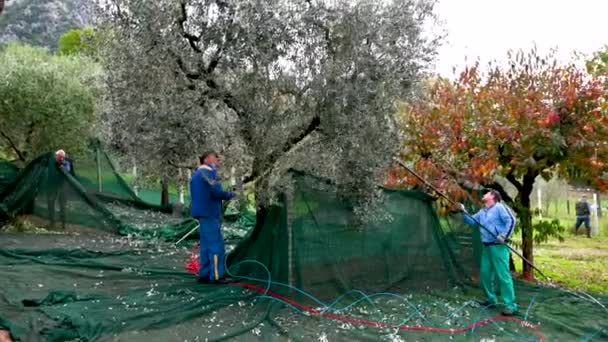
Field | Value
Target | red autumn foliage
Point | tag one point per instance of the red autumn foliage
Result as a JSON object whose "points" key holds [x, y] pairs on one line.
{"points": [[533, 117]]}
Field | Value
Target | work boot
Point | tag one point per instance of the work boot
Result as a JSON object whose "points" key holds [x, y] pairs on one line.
{"points": [[225, 280], [204, 280], [486, 304], [589, 233], [508, 312], [221, 281]]}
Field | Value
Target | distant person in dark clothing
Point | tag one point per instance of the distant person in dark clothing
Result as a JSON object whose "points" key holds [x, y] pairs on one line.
{"points": [[58, 186], [583, 213]]}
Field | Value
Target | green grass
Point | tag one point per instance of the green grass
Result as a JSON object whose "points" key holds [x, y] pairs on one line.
{"points": [[579, 262]]}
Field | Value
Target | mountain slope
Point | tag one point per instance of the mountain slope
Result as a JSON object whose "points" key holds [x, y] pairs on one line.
{"points": [[41, 22]]}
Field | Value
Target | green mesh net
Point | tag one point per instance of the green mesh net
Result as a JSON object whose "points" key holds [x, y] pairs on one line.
{"points": [[310, 270], [96, 199], [8, 172]]}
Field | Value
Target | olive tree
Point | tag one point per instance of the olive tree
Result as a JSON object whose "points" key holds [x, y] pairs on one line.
{"points": [[47, 101], [268, 83]]}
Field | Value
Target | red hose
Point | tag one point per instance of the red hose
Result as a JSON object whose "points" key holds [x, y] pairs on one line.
{"points": [[341, 318]]}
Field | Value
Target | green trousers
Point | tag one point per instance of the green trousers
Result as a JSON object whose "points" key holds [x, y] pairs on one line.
{"points": [[495, 266]]}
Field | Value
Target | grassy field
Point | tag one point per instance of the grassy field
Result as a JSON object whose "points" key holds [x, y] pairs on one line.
{"points": [[578, 262]]}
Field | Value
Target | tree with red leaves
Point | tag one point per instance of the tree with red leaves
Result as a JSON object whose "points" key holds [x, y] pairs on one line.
{"points": [[533, 117]]}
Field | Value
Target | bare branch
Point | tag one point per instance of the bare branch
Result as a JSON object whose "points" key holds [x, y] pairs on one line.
{"points": [[192, 40], [13, 146], [295, 139], [516, 183]]}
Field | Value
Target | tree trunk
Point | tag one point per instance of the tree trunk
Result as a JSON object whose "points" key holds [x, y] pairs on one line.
{"points": [[180, 187], [98, 162], [527, 245], [164, 194], [599, 204], [527, 235], [134, 170], [240, 252], [556, 206], [134, 183], [20, 155]]}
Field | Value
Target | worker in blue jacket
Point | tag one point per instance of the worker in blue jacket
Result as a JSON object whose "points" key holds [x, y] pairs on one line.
{"points": [[207, 194], [498, 223]]}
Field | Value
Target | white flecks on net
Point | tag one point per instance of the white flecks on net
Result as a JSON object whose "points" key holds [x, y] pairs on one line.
{"points": [[394, 336], [346, 326]]}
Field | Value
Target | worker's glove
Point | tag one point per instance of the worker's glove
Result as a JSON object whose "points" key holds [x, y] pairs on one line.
{"points": [[462, 208], [501, 239], [235, 196]]}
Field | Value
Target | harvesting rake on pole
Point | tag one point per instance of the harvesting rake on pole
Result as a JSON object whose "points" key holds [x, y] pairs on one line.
{"points": [[402, 164]]}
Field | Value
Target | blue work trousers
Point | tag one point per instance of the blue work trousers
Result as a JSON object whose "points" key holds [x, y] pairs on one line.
{"points": [[211, 249]]}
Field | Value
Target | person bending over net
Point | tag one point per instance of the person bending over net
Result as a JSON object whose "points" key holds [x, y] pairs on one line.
{"points": [[206, 195], [58, 186], [498, 222]]}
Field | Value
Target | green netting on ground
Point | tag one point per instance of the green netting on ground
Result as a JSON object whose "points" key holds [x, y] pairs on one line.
{"points": [[69, 288], [311, 270], [49, 197]]}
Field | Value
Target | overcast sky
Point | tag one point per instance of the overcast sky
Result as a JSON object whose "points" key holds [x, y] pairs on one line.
{"points": [[488, 28]]}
